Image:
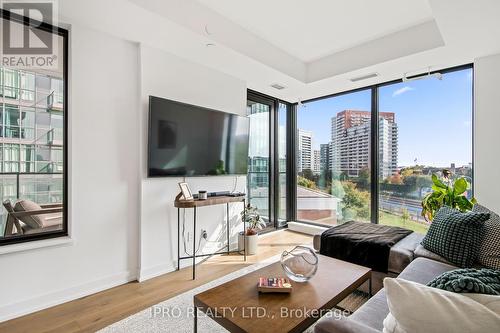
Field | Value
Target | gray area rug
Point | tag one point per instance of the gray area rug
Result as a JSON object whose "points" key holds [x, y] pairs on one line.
{"points": [[176, 314]]}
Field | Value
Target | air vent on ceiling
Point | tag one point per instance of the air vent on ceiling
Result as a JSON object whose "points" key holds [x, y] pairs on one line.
{"points": [[364, 77], [277, 86]]}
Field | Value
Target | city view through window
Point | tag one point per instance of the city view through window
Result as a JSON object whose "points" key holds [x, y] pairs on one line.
{"points": [[425, 126], [31, 148], [258, 180]]}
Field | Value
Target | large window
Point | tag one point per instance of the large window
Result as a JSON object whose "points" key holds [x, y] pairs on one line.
{"points": [[369, 155], [333, 159], [267, 157], [430, 130], [259, 157], [33, 147]]}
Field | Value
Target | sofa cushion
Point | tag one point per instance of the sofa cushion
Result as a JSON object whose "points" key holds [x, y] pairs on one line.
{"points": [[329, 325], [373, 312], [371, 315], [421, 251], [489, 248], [33, 221], [417, 308], [402, 253], [455, 235], [423, 270]]}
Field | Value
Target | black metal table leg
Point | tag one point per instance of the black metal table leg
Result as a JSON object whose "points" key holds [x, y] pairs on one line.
{"points": [[227, 221], [194, 244], [178, 238], [244, 230], [195, 330], [370, 286]]}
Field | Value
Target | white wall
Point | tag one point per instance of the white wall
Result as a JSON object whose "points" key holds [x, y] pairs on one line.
{"points": [[123, 224], [104, 191], [486, 132], [167, 76]]}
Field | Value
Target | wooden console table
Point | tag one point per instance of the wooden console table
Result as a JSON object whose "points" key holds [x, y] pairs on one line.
{"points": [[211, 201]]}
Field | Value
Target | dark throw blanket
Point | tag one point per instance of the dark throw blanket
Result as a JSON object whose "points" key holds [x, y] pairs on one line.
{"points": [[469, 280], [365, 244]]}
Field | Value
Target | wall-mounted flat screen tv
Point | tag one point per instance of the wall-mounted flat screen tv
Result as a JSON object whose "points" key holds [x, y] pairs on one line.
{"points": [[188, 140]]}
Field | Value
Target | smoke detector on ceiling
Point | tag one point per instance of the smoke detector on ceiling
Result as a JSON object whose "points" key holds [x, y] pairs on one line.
{"points": [[278, 86], [364, 77]]}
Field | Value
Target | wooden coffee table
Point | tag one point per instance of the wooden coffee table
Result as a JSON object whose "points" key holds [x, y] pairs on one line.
{"points": [[237, 305]]}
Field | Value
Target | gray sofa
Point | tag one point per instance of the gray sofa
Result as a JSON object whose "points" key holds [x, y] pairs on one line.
{"points": [[369, 317], [400, 256]]}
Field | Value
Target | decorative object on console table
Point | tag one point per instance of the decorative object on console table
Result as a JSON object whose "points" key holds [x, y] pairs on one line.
{"points": [[249, 240], [300, 264], [202, 195], [446, 192], [186, 192]]}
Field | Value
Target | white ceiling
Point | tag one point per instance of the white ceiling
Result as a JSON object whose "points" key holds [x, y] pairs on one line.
{"points": [[389, 38], [310, 30]]}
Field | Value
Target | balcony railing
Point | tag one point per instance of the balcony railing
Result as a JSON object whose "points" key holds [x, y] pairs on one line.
{"points": [[40, 187]]}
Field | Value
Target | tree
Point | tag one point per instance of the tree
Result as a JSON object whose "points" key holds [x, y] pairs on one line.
{"points": [[304, 182], [364, 178], [356, 202], [396, 179], [307, 173], [405, 215]]}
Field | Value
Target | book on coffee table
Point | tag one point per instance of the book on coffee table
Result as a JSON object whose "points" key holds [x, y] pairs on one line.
{"points": [[274, 285]]}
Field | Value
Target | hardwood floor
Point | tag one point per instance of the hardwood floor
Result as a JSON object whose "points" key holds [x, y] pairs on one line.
{"points": [[91, 313]]}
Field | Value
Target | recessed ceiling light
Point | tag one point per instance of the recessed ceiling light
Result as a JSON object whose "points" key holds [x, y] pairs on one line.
{"points": [[364, 77], [278, 86], [210, 45]]}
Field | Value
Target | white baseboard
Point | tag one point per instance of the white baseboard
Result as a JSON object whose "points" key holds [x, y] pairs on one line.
{"points": [[154, 271], [38, 303], [306, 228], [157, 270]]}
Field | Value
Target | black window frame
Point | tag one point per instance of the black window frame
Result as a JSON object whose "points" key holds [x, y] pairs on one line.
{"points": [[64, 33], [374, 127], [273, 200]]}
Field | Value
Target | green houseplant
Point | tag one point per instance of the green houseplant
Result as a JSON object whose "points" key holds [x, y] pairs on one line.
{"points": [[446, 192], [254, 223]]}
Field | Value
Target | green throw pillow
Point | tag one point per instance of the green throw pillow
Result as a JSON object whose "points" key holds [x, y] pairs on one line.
{"points": [[455, 235]]}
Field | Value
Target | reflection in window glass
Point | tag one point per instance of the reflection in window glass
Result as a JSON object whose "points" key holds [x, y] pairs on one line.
{"points": [[258, 157], [282, 187]]}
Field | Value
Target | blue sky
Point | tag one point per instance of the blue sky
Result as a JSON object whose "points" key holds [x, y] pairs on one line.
{"points": [[434, 117]]}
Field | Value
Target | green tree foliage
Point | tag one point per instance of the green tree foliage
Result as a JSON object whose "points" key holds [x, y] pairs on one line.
{"points": [[364, 179], [304, 182], [356, 202]]}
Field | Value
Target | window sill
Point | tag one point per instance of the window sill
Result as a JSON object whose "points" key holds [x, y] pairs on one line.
{"points": [[61, 241]]}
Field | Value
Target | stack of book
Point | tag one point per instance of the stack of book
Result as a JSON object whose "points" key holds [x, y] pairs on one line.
{"points": [[274, 285]]}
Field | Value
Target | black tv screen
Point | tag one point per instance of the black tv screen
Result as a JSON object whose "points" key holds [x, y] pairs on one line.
{"points": [[188, 140]]}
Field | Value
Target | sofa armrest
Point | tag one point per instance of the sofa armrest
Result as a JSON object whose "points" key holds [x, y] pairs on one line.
{"points": [[344, 325]]}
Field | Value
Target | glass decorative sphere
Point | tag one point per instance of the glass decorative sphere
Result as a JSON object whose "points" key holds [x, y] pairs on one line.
{"points": [[299, 264]]}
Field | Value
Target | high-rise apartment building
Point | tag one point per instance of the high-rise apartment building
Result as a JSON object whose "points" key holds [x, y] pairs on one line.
{"points": [[316, 161], [325, 154], [305, 150], [31, 137], [350, 145]]}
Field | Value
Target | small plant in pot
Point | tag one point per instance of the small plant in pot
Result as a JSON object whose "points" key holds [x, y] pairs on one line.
{"points": [[254, 223], [447, 192]]}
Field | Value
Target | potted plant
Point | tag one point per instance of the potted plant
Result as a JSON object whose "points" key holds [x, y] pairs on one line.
{"points": [[254, 223], [446, 192]]}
